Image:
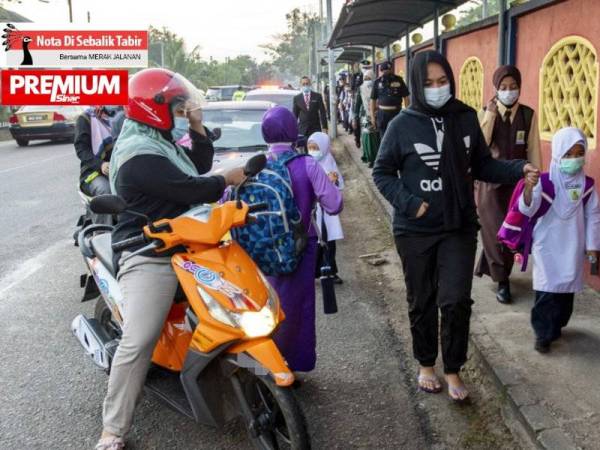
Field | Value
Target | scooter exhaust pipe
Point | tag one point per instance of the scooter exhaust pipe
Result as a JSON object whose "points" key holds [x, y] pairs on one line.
{"points": [[94, 340]]}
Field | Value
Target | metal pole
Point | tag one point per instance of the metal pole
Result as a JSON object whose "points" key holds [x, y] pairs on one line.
{"points": [[484, 9], [388, 53], [89, 17], [502, 33], [310, 51], [407, 57], [320, 46], [162, 54], [436, 28], [373, 64], [332, 87], [69, 2]]}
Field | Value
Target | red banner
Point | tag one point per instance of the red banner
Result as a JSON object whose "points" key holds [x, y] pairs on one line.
{"points": [[64, 87], [81, 40]]}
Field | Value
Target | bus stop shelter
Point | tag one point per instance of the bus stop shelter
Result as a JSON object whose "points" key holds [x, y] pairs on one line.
{"points": [[378, 23]]}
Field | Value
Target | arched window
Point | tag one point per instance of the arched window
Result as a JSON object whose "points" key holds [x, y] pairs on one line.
{"points": [[569, 88], [471, 83]]}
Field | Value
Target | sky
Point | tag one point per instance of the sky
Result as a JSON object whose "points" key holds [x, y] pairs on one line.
{"points": [[222, 28]]}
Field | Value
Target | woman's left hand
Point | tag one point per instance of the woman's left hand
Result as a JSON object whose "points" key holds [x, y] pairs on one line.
{"points": [[532, 174], [194, 115]]}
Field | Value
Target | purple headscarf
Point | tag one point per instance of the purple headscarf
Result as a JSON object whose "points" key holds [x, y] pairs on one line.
{"points": [[279, 126]]}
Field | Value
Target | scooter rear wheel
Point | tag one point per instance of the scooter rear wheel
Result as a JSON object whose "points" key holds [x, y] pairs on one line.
{"points": [[271, 413]]}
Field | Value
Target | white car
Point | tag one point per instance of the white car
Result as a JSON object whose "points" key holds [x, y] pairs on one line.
{"points": [[283, 97]]}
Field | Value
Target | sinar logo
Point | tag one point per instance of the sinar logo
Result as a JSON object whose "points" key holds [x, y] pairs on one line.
{"points": [[11, 37], [431, 185]]}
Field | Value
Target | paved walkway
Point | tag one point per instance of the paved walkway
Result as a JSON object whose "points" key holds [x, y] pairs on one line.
{"points": [[554, 397]]}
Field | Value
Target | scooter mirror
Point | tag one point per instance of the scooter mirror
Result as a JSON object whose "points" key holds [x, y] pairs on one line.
{"points": [[255, 164], [108, 204], [216, 134]]}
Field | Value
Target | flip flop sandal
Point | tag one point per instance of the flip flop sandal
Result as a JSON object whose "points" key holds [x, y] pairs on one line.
{"points": [[110, 443], [455, 392], [429, 378]]}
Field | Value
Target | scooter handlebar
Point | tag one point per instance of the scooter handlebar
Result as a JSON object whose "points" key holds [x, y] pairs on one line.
{"points": [[257, 207], [126, 243]]}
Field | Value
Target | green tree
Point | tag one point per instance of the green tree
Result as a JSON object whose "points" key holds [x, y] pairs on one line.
{"points": [[475, 13], [290, 52]]}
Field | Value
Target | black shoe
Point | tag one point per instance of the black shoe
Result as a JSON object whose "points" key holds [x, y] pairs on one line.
{"points": [[337, 280], [503, 294], [542, 346]]}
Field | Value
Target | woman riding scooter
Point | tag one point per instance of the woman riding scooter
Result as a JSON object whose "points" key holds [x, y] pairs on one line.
{"points": [[160, 179]]}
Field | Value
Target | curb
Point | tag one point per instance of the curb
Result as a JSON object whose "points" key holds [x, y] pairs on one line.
{"points": [[541, 429]]}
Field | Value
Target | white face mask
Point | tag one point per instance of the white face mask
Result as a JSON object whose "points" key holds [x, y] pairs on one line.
{"points": [[508, 98], [315, 154], [438, 97]]}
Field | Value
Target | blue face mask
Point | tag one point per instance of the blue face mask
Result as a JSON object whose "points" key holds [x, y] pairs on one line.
{"points": [[180, 128], [111, 110], [570, 166], [306, 89], [438, 97]]}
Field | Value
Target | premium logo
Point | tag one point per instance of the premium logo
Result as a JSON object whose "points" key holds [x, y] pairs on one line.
{"points": [[73, 87]]}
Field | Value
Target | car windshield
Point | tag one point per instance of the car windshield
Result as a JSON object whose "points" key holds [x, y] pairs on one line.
{"points": [[213, 93], [279, 99], [240, 128]]}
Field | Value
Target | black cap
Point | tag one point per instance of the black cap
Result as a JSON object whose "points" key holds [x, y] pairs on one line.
{"points": [[386, 65]]}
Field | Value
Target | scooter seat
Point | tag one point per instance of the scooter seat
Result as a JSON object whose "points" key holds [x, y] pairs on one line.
{"points": [[101, 244]]}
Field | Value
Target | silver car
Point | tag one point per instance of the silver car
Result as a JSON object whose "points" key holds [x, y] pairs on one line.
{"points": [[241, 135]]}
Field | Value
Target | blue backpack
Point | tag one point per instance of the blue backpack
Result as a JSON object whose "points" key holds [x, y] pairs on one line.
{"points": [[277, 239]]}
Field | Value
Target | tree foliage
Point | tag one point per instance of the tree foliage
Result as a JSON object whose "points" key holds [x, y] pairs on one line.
{"points": [[476, 13], [168, 50], [290, 52]]}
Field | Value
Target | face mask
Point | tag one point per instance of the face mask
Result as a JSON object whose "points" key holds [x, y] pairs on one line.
{"points": [[306, 89], [571, 166], [180, 128], [315, 154], [369, 84], [508, 98], [438, 97]]}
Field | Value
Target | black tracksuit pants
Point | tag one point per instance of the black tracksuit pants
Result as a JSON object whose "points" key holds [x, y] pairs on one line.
{"points": [[438, 271], [551, 312]]}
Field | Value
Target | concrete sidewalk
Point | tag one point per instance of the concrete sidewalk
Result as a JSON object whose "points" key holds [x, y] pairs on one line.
{"points": [[554, 396]]}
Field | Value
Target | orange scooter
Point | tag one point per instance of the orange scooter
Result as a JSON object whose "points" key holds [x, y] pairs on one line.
{"points": [[215, 360]]}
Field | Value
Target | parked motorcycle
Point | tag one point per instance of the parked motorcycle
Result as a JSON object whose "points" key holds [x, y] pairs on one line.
{"points": [[215, 360]]}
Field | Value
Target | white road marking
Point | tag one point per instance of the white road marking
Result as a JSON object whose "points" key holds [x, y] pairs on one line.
{"points": [[41, 161], [28, 268]]}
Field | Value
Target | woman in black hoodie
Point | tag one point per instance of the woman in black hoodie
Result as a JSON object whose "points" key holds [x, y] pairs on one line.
{"points": [[428, 160]]}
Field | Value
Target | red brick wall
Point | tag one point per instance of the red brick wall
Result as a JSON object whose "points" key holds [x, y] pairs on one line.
{"points": [[537, 33], [483, 44]]}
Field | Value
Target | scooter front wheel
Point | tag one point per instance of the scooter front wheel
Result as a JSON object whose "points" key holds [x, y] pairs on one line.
{"points": [[271, 413]]}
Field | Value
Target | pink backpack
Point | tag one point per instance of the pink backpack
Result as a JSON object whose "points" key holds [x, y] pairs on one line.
{"points": [[516, 231]]}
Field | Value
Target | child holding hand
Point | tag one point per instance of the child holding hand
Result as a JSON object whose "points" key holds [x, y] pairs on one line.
{"points": [[562, 236]]}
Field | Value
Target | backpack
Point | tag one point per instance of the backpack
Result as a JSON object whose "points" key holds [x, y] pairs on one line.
{"points": [[516, 231], [277, 239]]}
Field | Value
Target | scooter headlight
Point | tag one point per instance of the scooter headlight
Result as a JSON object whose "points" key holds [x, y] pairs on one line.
{"points": [[215, 309], [253, 323], [257, 324]]}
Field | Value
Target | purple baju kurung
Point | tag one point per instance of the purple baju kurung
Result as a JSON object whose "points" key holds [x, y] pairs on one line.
{"points": [[296, 337]]}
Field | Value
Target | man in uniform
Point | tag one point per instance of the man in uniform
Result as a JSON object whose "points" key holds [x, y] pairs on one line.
{"points": [[239, 95], [386, 97]]}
